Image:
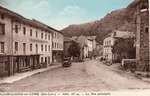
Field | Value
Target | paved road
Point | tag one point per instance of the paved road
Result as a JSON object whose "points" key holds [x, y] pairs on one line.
{"points": [[87, 76], [115, 78]]}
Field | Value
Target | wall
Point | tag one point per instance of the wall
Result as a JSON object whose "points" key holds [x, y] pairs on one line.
{"points": [[7, 36], [108, 42], [142, 46], [58, 40]]}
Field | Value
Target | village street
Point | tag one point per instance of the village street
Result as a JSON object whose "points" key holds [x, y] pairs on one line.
{"points": [[87, 76]]}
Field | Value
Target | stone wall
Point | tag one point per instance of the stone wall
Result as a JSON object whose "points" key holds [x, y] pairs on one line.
{"points": [[142, 37]]}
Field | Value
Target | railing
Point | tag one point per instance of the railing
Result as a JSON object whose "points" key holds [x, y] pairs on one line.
{"points": [[131, 65], [147, 68]]}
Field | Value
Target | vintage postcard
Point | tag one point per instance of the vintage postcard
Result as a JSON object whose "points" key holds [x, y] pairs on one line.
{"points": [[77, 47]]}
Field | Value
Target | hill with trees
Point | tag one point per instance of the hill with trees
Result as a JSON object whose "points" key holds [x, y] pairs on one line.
{"points": [[122, 19]]}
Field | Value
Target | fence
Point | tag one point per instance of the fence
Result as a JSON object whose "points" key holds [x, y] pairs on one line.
{"points": [[132, 64], [129, 64]]}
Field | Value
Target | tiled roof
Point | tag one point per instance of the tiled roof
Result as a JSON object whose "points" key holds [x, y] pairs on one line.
{"points": [[20, 18]]}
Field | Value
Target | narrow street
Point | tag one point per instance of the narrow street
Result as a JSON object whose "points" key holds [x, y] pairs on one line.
{"points": [[86, 76]]}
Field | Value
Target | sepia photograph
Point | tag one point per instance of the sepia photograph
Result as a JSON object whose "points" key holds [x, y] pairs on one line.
{"points": [[74, 46]]}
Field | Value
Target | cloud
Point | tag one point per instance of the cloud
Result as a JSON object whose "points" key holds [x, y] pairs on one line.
{"points": [[3, 3], [73, 11], [32, 8], [71, 14]]}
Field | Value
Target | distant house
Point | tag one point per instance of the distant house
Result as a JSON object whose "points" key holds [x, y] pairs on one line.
{"points": [[110, 41], [99, 49], [67, 42], [87, 45], [91, 42], [57, 46], [107, 48]]}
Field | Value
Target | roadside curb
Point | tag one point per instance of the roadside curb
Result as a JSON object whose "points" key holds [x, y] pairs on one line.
{"points": [[141, 77], [19, 76]]}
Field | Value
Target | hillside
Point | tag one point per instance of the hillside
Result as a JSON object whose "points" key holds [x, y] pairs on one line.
{"points": [[122, 19]]}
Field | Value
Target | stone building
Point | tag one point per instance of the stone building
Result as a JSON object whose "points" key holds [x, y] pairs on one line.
{"points": [[142, 35], [24, 44]]}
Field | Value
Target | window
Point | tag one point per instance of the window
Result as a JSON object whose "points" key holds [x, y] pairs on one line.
{"points": [[45, 47], [16, 46], [52, 44], [49, 60], [42, 60], [49, 48], [41, 47], [55, 35], [24, 30], [42, 35], [16, 28], [2, 29], [49, 37], [146, 29], [30, 32], [45, 36], [46, 60], [30, 47], [2, 47], [2, 16], [24, 48], [36, 48], [36, 34], [55, 45]]}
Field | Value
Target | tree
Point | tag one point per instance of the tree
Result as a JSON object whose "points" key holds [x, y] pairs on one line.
{"points": [[74, 49], [124, 48]]}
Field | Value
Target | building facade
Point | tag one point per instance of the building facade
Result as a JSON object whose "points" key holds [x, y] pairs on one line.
{"points": [[67, 43], [107, 48], [91, 44], [142, 35], [57, 46], [24, 44]]}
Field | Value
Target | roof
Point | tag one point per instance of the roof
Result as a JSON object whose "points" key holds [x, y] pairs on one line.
{"points": [[91, 37], [68, 39], [122, 34], [32, 22], [108, 38]]}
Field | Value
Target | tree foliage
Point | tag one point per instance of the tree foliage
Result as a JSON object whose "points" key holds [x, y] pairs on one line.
{"points": [[124, 48], [74, 49]]}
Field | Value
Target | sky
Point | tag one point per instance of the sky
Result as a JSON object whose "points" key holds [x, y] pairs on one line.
{"points": [[61, 13]]}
